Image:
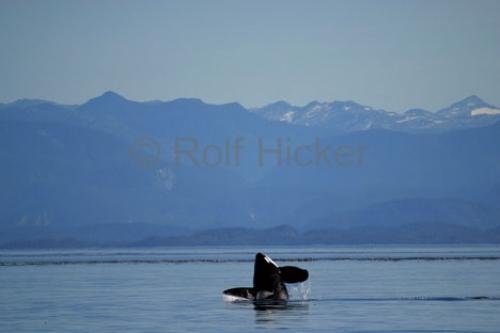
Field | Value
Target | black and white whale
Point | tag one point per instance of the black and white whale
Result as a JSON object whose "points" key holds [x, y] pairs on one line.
{"points": [[268, 281]]}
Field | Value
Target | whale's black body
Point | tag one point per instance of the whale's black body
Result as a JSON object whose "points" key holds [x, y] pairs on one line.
{"points": [[268, 281]]}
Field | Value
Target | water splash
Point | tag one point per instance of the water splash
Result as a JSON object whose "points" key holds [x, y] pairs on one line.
{"points": [[299, 291]]}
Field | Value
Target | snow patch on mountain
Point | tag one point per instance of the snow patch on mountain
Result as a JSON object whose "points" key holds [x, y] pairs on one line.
{"points": [[485, 111], [287, 117]]}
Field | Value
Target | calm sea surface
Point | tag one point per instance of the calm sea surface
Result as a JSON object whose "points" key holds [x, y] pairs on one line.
{"points": [[351, 289]]}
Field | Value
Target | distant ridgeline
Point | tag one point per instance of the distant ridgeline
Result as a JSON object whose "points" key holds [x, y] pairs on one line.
{"points": [[118, 172]]}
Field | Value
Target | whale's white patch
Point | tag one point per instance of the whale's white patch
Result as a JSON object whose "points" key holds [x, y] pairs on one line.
{"points": [[232, 298], [270, 261], [263, 294]]}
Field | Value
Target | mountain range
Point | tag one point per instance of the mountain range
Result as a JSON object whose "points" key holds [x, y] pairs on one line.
{"points": [[350, 116], [106, 172]]}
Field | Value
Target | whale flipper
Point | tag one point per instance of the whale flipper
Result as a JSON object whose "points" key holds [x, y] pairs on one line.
{"points": [[292, 274], [239, 294]]}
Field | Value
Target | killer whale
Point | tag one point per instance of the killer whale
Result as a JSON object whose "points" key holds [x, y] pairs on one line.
{"points": [[268, 281]]}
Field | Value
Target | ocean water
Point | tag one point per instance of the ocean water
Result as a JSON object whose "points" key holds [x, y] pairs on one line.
{"points": [[351, 289]]}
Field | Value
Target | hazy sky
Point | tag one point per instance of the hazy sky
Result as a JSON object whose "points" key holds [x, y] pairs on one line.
{"points": [[389, 54]]}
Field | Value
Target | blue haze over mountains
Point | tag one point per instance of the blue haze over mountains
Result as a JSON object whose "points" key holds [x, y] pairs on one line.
{"points": [[70, 174]]}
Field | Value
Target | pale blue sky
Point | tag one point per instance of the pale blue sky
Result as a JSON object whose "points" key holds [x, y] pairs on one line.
{"points": [[389, 54]]}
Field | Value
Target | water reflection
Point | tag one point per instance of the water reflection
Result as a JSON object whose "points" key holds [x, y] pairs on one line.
{"points": [[277, 313]]}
